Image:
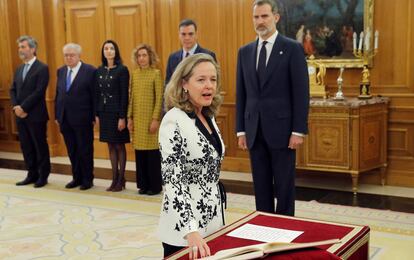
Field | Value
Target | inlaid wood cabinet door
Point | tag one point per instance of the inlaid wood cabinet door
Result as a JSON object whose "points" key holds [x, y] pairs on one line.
{"points": [[372, 136], [328, 142]]}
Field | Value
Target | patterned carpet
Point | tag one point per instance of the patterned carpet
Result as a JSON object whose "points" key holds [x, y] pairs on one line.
{"points": [[54, 223]]}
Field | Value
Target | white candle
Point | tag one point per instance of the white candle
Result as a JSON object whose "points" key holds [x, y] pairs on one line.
{"points": [[376, 39], [354, 41], [361, 36], [367, 40]]}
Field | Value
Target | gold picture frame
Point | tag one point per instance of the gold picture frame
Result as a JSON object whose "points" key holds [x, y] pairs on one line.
{"points": [[296, 21]]}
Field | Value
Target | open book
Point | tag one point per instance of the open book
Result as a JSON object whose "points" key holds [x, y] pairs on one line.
{"points": [[259, 250]]}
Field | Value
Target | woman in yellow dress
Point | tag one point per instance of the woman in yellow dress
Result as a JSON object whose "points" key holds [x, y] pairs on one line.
{"points": [[144, 113]]}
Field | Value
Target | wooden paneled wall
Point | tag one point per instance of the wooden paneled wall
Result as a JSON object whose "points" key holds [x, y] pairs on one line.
{"points": [[223, 26]]}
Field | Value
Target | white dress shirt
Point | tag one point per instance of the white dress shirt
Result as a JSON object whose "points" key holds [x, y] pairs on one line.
{"points": [[191, 51], [75, 71], [30, 63], [269, 46]]}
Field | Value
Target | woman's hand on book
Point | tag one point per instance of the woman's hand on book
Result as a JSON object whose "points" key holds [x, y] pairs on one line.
{"points": [[198, 247]]}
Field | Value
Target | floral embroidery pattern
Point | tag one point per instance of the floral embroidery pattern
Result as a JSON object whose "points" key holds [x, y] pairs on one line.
{"points": [[193, 181]]}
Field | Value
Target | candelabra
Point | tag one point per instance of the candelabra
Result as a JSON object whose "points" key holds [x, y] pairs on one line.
{"points": [[340, 95], [365, 53]]}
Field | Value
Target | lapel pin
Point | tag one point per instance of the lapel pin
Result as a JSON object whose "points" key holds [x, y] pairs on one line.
{"points": [[281, 52]]}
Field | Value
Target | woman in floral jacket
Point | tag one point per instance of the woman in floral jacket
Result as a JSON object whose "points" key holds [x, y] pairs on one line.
{"points": [[192, 150]]}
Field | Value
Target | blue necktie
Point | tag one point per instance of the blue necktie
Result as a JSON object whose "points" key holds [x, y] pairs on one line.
{"points": [[68, 80], [261, 66], [25, 70]]}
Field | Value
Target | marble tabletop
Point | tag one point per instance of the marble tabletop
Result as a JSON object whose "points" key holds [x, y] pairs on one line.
{"points": [[351, 102]]}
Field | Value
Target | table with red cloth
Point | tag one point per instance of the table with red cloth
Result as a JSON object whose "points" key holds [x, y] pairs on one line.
{"points": [[353, 245]]}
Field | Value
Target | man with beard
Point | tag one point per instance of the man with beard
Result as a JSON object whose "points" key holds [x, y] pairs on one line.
{"points": [[27, 96], [272, 103]]}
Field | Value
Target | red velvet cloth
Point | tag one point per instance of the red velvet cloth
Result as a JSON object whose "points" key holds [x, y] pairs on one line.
{"points": [[313, 231]]}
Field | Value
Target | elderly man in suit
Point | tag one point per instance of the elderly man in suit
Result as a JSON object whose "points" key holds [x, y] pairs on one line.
{"points": [[74, 107], [27, 95], [187, 32], [272, 103]]}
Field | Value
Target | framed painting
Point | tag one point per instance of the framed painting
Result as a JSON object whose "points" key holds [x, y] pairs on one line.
{"points": [[325, 28]]}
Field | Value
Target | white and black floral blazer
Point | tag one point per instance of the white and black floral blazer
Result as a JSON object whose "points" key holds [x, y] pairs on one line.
{"points": [[190, 171]]}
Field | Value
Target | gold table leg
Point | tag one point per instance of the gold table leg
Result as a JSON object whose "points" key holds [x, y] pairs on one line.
{"points": [[383, 171]]}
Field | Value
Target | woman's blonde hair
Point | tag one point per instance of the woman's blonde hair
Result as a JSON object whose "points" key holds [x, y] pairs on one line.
{"points": [[153, 57], [175, 96]]}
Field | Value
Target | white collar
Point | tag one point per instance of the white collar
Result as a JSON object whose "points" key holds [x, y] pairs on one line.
{"points": [[30, 62], [76, 68], [191, 51], [270, 40]]}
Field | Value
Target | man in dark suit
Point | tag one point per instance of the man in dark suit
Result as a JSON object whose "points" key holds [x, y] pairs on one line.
{"points": [[272, 103], [27, 94], [187, 32], [74, 108]]}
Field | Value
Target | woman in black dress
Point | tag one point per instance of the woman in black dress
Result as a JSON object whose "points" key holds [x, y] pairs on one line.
{"points": [[111, 109]]}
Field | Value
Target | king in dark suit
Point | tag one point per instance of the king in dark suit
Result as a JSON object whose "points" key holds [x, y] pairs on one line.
{"points": [[272, 103], [27, 95], [74, 108], [188, 38]]}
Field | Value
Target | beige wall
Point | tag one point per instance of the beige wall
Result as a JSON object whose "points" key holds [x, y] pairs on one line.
{"points": [[223, 27]]}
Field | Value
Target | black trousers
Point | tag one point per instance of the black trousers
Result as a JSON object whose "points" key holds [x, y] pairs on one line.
{"points": [[273, 176], [33, 142], [79, 144], [148, 170], [170, 249]]}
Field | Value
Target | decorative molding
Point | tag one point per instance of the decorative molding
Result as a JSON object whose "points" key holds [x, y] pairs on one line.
{"points": [[3, 120], [402, 108], [403, 136]]}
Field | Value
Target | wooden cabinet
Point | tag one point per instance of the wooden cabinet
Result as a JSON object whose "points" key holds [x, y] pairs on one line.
{"points": [[347, 136]]}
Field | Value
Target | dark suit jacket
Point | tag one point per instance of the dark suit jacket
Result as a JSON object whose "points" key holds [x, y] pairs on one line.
{"points": [[176, 57], [281, 102], [30, 93], [77, 105], [112, 90]]}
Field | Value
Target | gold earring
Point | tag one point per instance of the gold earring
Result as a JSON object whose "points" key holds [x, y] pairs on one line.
{"points": [[185, 90]]}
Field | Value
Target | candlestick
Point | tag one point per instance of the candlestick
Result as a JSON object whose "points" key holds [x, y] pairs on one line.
{"points": [[365, 54], [340, 95]]}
